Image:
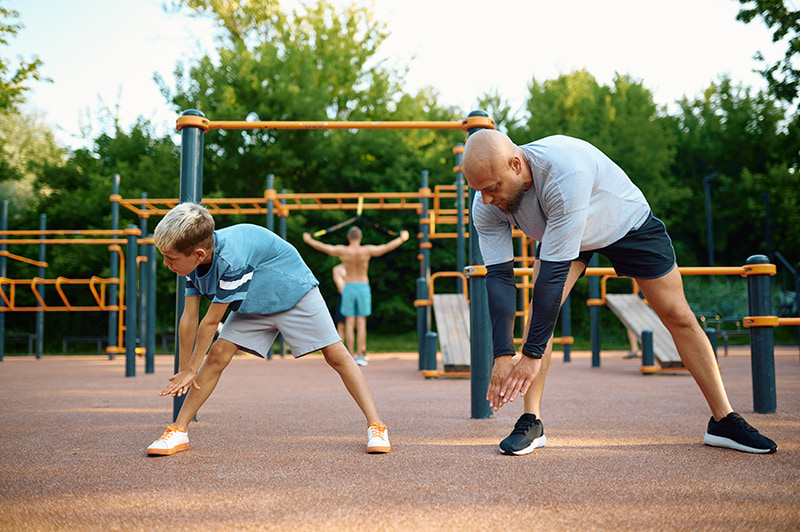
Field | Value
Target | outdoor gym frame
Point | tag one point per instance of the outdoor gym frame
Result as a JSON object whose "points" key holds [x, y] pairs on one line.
{"points": [[193, 125]]}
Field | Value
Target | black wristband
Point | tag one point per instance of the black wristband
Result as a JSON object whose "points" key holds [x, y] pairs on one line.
{"points": [[531, 354]]}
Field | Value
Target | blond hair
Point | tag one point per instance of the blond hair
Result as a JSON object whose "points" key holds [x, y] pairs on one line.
{"points": [[184, 228]]}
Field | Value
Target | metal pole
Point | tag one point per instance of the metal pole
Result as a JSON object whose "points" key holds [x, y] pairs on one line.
{"points": [[480, 336], [131, 300], [566, 327], [460, 255], [143, 273], [762, 340], [594, 314], [40, 289], [150, 317], [3, 272], [191, 190], [113, 315]]}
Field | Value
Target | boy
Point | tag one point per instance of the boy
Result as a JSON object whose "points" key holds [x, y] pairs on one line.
{"points": [[268, 288]]}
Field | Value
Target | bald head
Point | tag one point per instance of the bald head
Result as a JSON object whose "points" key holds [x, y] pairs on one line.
{"points": [[497, 168], [485, 153]]}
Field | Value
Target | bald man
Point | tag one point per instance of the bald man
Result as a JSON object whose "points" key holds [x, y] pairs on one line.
{"points": [[575, 201]]}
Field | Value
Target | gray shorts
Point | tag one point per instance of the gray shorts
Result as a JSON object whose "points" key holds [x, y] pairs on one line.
{"points": [[306, 327]]}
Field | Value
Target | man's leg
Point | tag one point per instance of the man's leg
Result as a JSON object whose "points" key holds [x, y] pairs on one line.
{"points": [[667, 299], [361, 330], [217, 360], [349, 333], [533, 398]]}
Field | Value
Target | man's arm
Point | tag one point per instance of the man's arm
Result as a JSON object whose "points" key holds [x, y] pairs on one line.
{"points": [[501, 291], [547, 293], [321, 246], [377, 251]]}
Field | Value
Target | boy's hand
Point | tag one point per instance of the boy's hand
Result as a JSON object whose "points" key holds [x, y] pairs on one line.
{"points": [[180, 383]]}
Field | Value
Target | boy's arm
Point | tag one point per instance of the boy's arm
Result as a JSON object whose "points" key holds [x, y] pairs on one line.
{"points": [[194, 339], [320, 246], [377, 251], [187, 330]]}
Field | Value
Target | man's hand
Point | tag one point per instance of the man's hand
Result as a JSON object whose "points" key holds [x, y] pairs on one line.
{"points": [[307, 237], [180, 383], [509, 380], [404, 235]]}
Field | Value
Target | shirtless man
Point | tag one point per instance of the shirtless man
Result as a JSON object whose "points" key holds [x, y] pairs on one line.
{"points": [[356, 303]]}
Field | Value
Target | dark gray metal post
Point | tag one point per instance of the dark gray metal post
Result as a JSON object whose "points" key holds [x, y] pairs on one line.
{"points": [[3, 273], [422, 325], [594, 313], [143, 273], [40, 289], [762, 340], [566, 327], [460, 254], [131, 300], [113, 297], [150, 316], [480, 327], [191, 190], [648, 355]]}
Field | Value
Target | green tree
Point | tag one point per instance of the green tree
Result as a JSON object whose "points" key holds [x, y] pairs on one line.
{"points": [[14, 75], [782, 76], [316, 63], [744, 137]]}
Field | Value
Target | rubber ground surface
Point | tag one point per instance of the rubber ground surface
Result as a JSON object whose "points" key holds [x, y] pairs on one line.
{"points": [[281, 446]]}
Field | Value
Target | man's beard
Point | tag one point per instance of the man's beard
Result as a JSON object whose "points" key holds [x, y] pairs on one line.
{"points": [[512, 206]]}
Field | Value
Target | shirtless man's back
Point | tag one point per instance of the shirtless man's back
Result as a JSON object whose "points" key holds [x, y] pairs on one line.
{"points": [[356, 296]]}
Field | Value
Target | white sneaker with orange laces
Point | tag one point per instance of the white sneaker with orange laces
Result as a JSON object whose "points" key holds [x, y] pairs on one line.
{"points": [[172, 441], [378, 439]]}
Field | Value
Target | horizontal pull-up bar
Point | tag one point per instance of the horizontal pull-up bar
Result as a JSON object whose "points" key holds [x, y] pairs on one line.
{"points": [[205, 124]]}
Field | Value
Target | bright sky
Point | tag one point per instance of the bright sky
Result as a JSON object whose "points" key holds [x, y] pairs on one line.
{"points": [[105, 52]]}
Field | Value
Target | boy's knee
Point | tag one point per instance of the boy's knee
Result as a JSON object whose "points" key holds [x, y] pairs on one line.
{"points": [[218, 358]]}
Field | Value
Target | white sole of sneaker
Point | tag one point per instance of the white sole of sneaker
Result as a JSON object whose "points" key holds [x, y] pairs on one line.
{"points": [[167, 452], [535, 444], [378, 450], [719, 441]]}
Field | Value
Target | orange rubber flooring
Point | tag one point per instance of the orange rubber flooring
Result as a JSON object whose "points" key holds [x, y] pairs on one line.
{"points": [[280, 446]]}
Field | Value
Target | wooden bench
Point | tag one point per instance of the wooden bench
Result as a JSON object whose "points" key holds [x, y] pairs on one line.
{"points": [[638, 317], [99, 341], [452, 325]]}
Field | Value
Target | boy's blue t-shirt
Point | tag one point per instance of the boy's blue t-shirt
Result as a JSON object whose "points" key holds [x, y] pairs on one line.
{"points": [[254, 271]]}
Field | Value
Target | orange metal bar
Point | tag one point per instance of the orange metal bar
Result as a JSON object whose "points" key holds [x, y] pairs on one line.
{"points": [[61, 232], [65, 241], [437, 275], [206, 124], [23, 259]]}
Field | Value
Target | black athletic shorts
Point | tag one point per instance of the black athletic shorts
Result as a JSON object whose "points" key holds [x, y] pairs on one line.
{"points": [[644, 253]]}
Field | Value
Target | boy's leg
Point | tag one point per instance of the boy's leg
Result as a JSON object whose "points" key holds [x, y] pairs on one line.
{"points": [[218, 358], [339, 359], [667, 299]]}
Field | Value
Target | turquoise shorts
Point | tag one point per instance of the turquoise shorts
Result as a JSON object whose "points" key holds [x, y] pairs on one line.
{"points": [[356, 300]]}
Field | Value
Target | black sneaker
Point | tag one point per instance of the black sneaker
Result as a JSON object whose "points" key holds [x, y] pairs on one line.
{"points": [[528, 434], [734, 432]]}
